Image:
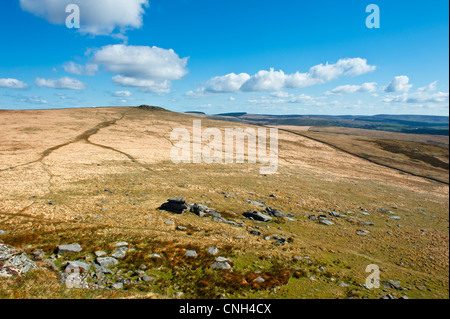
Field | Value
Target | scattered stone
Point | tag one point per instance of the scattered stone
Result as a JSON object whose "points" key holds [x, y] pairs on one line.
{"points": [[312, 217], [343, 284], [181, 228], [366, 223], [191, 253], [77, 266], [221, 265], [255, 203], [117, 285], [168, 222], [326, 222], [107, 261], [100, 253], [259, 280], [395, 217], [274, 212], [73, 248], [121, 244], [362, 232], [154, 255], [38, 254], [120, 252], [14, 262], [257, 216], [255, 232], [222, 259], [335, 214], [393, 284], [213, 251], [239, 237], [2, 232]]}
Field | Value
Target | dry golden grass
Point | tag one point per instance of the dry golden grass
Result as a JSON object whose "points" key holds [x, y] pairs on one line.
{"points": [[59, 165]]}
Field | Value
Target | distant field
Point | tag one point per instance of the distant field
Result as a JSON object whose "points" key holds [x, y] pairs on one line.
{"points": [[426, 155]]}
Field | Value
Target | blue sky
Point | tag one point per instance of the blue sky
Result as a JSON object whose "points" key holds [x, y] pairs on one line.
{"points": [[277, 57]]}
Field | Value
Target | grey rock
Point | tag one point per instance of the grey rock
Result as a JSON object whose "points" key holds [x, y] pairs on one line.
{"points": [[181, 228], [255, 232], [100, 253], [77, 266], [326, 222], [213, 251], [191, 254], [147, 278], [14, 261], [259, 280], [120, 252], [38, 254], [343, 284], [175, 205], [177, 200], [121, 244], [107, 261], [221, 265], [117, 285], [73, 248], [257, 216], [154, 255], [101, 269], [274, 212], [255, 203], [366, 223]]}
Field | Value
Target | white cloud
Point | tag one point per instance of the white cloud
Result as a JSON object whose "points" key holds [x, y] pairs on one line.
{"points": [[345, 89], [122, 93], [284, 97], [226, 84], [12, 84], [78, 69], [428, 88], [149, 68], [399, 84], [154, 86], [34, 100], [273, 80], [419, 97], [99, 17], [62, 83], [141, 62]]}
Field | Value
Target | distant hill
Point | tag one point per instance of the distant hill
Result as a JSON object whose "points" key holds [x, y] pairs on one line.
{"points": [[416, 124]]}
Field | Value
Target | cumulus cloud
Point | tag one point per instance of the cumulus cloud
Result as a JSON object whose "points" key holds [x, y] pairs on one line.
{"points": [[346, 89], [122, 93], [99, 17], [399, 84], [429, 88], [62, 83], [423, 95], [78, 69], [160, 87], [148, 68], [12, 84], [273, 80]]}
